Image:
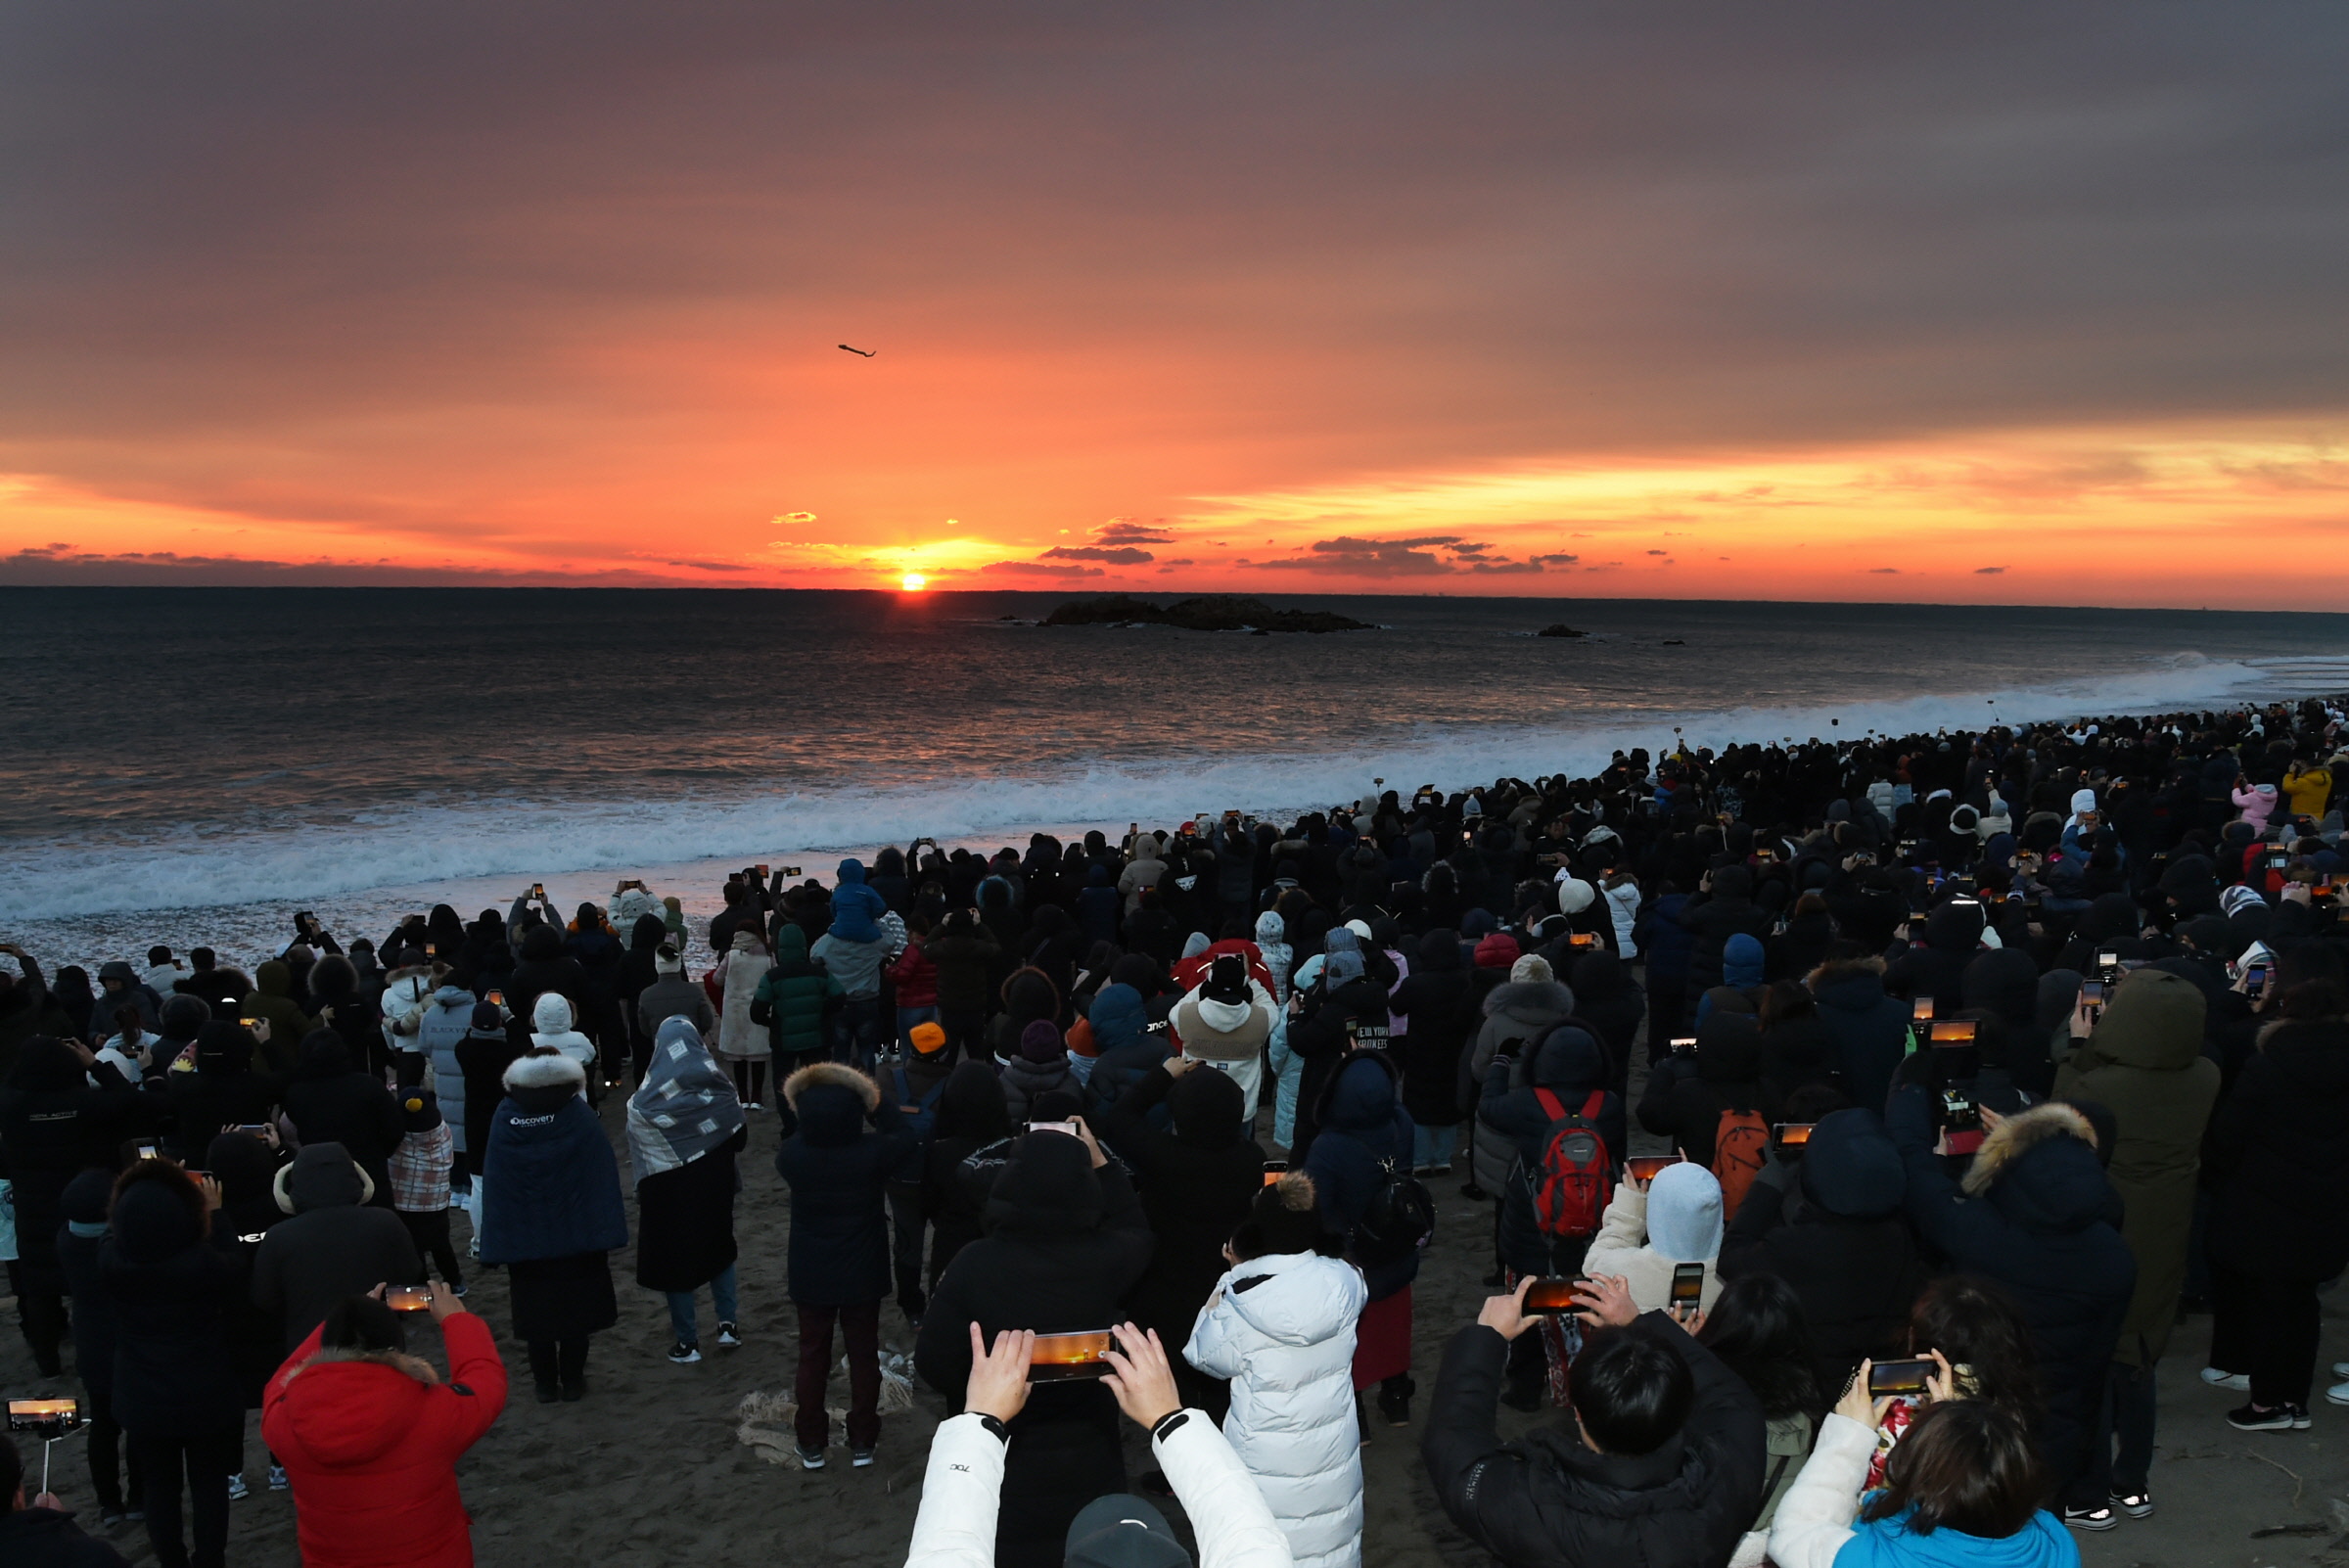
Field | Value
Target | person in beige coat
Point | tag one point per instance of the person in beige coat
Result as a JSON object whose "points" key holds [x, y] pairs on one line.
{"points": [[1649, 1231], [739, 972]]}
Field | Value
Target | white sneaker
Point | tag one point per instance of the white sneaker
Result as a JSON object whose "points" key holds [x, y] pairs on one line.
{"points": [[238, 1491], [2240, 1382], [2338, 1393], [2340, 1368]]}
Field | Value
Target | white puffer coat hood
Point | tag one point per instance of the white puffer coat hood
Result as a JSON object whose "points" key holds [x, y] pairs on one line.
{"points": [[1281, 1329]]}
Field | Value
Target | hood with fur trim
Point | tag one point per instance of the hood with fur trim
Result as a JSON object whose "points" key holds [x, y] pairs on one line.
{"points": [[830, 1102], [544, 1071], [2019, 1134]]}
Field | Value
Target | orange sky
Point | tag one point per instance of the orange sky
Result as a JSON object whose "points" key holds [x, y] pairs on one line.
{"points": [[1847, 305]]}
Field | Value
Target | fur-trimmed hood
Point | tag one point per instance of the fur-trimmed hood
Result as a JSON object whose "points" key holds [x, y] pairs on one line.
{"points": [[542, 1072], [2041, 1172], [423, 1371], [1843, 969], [830, 1102], [839, 1075], [2019, 1134]]}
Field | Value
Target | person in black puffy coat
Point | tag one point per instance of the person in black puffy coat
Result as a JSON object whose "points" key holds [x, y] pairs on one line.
{"points": [[2278, 1155], [1066, 1239], [1554, 1497], [330, 1100], [1936, 966], [2037, 1214], [1438, 999], [1365, 1132], [53, 1127], [1198, 1180], [175, 1385], [839, 1239], [1831, 1226]]}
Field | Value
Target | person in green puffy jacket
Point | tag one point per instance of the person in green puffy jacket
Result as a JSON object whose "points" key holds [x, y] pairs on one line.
{"points": [[792, 1000]]}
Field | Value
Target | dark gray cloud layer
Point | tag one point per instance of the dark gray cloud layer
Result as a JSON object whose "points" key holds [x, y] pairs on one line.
{"points": [[248, 250]]}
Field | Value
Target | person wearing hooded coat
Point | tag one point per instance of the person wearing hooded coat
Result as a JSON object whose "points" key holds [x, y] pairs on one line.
{"points": [[552, 1212], [81, 1244], [2143, 1061], [222, 1089], [1519, 1013], [338, 1243], [1438, 999], [743, 1042], [332, 1100], [1652, 1230], [1831, 1227], [1280, 1325], [839, 1239], [1365, 1142], [1342, 1008], [175, 1387], [1198, 1180], [1936, 967], [1613, 1007], [1723, 908], [272, 998], [2277, 1159], [640, 970], [1066, 1240], [1124, 1043], [53, 1127], [685, 1129], [971, 1115], [245, 1165], [371, 1436], [1687, 1096], [2005, 980], [1867, 1027], [2036, 1214], [1041, 1067]]}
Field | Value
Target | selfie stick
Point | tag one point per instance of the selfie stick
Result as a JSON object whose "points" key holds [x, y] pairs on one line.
{"points": [[46, 1444]]}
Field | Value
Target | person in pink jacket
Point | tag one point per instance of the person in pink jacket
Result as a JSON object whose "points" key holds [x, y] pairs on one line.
{"points": [[2257, 802]]}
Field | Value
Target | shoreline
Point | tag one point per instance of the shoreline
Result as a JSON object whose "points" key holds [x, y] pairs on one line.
{"points": [[239, 931]]}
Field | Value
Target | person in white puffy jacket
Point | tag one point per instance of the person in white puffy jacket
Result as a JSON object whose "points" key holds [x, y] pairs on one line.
{"points": [[1280, 1326], [550, 1024], [962, 1488]]}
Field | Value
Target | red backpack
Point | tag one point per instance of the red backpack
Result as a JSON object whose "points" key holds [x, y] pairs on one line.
{"points": [[1574, 1180], [1739, 1144]]}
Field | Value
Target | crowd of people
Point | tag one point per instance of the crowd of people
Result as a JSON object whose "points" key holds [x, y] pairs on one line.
{"points": [[1979, 1057]]}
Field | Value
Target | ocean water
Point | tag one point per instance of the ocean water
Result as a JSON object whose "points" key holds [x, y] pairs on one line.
{"points": [[184, 765]]}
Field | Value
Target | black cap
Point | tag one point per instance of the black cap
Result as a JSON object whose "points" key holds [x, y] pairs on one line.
{"points": [[1122, 1531]]}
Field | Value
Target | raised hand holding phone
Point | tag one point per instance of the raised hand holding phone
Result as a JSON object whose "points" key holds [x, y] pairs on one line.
{"points": [[998, 1381], [1507, 1316], [1608, 1299], [1143, 1384]]}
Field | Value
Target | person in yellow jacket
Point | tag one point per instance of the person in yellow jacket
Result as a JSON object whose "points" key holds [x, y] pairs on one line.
{"points": [[2308, 785]]}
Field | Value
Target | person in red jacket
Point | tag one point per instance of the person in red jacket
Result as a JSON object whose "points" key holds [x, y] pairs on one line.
{"points": [[370, 1435], [915, 979]]}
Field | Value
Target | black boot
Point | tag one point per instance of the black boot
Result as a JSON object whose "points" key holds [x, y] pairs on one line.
{"points": [[1394, 1400]]}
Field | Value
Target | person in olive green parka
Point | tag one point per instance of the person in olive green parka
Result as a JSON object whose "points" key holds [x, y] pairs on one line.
{"points": [[2143, 1060]]}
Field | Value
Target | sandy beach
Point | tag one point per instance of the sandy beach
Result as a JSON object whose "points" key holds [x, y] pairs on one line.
{"points": [[648, 1469]]}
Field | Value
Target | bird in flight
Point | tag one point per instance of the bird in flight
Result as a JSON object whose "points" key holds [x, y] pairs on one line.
{"points": [[867, 353]]}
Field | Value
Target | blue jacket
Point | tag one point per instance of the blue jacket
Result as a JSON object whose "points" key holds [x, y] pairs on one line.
{"points": [[1363, 1121], [1664, 943], [2044, 1543], [856, 909], [1867, 1029]]}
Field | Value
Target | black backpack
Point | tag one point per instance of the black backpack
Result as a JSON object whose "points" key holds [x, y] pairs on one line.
{"points": [[1397, 1222]]}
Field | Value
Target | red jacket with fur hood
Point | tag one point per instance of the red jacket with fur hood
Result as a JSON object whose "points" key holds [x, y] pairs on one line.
{"points": [[370, 1441]]}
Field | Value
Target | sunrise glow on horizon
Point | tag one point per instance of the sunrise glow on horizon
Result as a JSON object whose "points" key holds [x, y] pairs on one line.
{"points": [[1831, 305]]}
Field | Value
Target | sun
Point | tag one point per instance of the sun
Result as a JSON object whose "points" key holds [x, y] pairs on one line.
{"points": [[913, 582]]}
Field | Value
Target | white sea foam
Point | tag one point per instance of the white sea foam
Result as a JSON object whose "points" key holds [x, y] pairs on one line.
{"points": [[426, 847]]}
